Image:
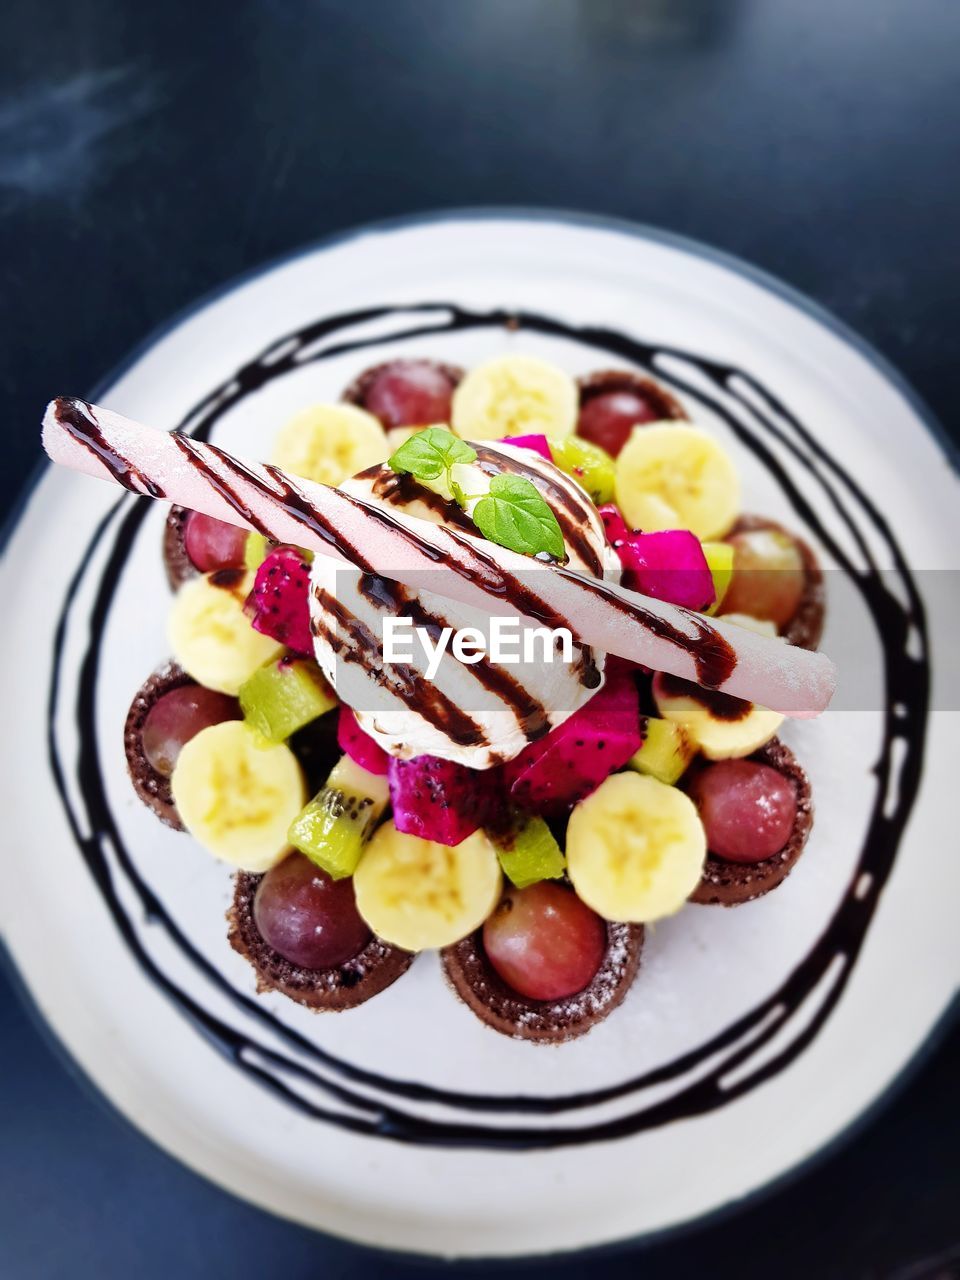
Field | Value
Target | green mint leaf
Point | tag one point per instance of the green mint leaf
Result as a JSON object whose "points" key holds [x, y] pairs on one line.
{"points": [[430, 453], [515, 515]]}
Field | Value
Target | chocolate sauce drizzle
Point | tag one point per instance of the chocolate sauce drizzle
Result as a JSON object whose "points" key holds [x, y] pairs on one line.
{"points": [[530, 715], [353, 641], [372, 1103], [80, 422], [567, 508], [713, 657], [722, 706]]}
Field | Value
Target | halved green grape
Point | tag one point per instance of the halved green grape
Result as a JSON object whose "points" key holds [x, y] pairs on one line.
{"points": [[591, 467], [666, 751], [529, 853], [284, 696], [332, 829]]}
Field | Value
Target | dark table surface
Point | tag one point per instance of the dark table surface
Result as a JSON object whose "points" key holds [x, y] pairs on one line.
{"points": [[150, 152]]}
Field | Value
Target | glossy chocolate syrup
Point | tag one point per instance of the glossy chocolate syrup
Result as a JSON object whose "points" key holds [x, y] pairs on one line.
{"points": [[566, 506], [79, 421], [401, 490], [720, 705], [353, 641], [390, 1111], [393, 597]]}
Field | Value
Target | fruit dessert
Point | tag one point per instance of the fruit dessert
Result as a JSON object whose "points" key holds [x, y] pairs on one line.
{"points": [[525, 818]]}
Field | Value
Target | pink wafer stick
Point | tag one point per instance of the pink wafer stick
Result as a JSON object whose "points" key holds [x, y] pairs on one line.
{"points": [[413, 552]]}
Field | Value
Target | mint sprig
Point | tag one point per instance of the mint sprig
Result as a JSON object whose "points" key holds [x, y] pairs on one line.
{"points": [[515, 515], [430, 454]]}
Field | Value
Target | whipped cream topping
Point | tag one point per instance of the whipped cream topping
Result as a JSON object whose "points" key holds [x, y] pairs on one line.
{"points": [[478, 715]]}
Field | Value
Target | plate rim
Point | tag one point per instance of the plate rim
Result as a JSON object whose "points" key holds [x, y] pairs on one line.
{"points": [[568, 218]]}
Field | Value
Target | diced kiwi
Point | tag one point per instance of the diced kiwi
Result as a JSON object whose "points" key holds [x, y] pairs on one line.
{"points": [[255, 551], [529, 853], [284, 696], [719, 557], [332, 830], [665, 753]]}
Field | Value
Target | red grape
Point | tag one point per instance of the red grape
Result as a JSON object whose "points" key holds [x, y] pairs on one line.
{"points": [[544, 942], [410, 393], [213, 544], [179, 716], [768, 576], [748, 809], [308, 917], [608, 419]]}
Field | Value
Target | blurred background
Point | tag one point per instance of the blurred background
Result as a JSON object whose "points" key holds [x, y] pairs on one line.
{"points": [[149, 153]]}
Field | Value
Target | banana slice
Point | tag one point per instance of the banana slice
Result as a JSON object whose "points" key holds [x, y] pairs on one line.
{"points": [[670, 475], [514, 396], [417, 894], [723, 728], [635, 848], [237, 794], [329, 442], [210, 635]]}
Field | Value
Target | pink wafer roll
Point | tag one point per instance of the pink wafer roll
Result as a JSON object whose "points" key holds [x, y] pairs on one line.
{"points": [[424, 556]]}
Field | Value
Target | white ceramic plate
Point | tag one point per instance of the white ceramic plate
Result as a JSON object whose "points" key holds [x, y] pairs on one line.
{"points": [[752, 1038]]}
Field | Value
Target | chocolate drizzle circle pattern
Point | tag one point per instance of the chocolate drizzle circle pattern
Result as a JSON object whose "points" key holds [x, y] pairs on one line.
{"points": [[367, 1102]]}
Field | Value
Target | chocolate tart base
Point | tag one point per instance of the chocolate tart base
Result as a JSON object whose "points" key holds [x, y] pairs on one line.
{"points": [[371, 971], [180, 568], [660, 400], [729, 884], [152, 787], [356, 391], [806, 626], [480, 987]]}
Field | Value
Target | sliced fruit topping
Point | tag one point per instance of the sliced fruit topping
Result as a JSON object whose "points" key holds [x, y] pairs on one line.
{"points": [[670, 565], [237, 794], [284, 696], [440, 800], [667, 750], [309, 918], [514, 396], [574, 758], [179, 716], [635, 848], [748, 809], [256, 551], [213, 544], [211, 636], [719, 557], [720, 726], [673, 476], [768, 576], [528, 851], [279, 605], [588, 464], [329, 442], [419, 894], [332, 829], [536, 444], [409, 393], [358, 745], [544, 942]]}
